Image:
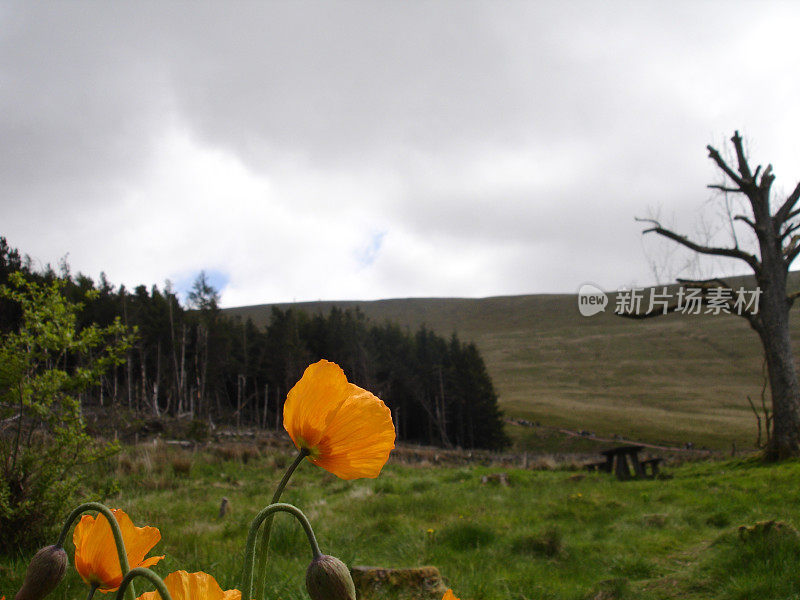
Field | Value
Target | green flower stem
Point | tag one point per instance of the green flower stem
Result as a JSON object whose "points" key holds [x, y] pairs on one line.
{"points": [[91, 592], [112, 520], [267, 515], [147, 574], [263, 544]]}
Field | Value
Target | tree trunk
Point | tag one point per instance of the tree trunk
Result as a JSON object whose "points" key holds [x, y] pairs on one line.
{"points": [[277, 408], [177, 372], [266, 404], [130, 381], [773, 329], [156, 407], [239, 394], [142, 356], [182, 377]]}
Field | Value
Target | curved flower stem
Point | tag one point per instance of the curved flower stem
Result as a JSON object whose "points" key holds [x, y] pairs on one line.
{"points": [[263, 544], [267, 515], [147, 574], [115, 530]]}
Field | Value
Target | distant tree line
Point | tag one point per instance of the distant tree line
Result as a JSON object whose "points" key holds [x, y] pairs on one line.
{"points": [[194, 362]]}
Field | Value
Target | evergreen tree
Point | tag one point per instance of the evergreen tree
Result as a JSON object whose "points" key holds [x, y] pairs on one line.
{"points": [[195, 362]]}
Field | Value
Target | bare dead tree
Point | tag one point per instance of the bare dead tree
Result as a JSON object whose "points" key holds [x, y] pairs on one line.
{"points": [[776, 236], [176, 369]]}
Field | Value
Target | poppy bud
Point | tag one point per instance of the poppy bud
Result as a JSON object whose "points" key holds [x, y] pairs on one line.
{"points": [[328, 578], [45, 571]]}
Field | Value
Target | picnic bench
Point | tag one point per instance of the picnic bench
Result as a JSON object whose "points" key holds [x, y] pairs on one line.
{"points": [[624, 462]]}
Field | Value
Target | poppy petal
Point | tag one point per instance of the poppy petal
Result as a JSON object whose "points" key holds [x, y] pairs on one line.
{"points": [[138, 540], [313, 402], [149, 562], [359, 438], [347, 430], [96, 556], [193, 586]]}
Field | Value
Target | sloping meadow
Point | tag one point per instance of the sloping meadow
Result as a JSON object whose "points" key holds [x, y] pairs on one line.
{"points": [[709, 530], [670, 380]]}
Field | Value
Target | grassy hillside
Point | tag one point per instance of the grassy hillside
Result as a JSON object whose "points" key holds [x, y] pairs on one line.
{"points": [[673, 379]]}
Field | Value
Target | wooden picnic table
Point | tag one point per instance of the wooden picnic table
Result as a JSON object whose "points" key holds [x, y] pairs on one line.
{"points": [[624, 462]]}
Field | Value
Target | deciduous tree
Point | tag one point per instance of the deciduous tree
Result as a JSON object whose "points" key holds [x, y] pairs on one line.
{"points": [[45, 366]]}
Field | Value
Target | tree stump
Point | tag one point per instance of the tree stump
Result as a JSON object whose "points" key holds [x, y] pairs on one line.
{"points": [[224, 507], [420, 583]]}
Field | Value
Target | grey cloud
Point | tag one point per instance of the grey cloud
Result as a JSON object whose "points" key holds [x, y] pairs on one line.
{"points": [[386, 109], [80, 107]]}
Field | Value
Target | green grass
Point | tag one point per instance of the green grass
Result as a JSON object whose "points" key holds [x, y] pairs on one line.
{"points": [[548, 534], [670, 380]]}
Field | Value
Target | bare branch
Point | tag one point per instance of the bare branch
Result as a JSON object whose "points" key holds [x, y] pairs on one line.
{"points": [[715, 156], [731, 219], [746, 220], [744, 168], [758, 422], [790, 230], [723, 188], [785, 212], [791, 252], [735, 252], [792, 214], [654, 222], [767, 178]]}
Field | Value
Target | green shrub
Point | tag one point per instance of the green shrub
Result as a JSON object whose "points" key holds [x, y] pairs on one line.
{"points": [[45, 454]]}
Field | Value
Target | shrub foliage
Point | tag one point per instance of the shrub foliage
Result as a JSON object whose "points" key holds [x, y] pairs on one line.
{"points": [[45, 366]]}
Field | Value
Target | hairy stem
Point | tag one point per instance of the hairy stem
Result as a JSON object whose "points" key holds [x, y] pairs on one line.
{"points": [[263, 544], [267, 515], [147, 574]]}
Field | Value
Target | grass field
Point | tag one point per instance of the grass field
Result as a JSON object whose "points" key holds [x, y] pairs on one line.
{"points": [[669, 380], [556, 533]]}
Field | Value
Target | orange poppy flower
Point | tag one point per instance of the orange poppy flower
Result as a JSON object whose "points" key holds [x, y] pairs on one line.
{"points": [[345, 429], [96, 557], [449, 595], [193, 586]]}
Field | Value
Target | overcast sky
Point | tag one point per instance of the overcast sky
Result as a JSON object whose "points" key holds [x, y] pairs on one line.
{"points": [[365, 150]]}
